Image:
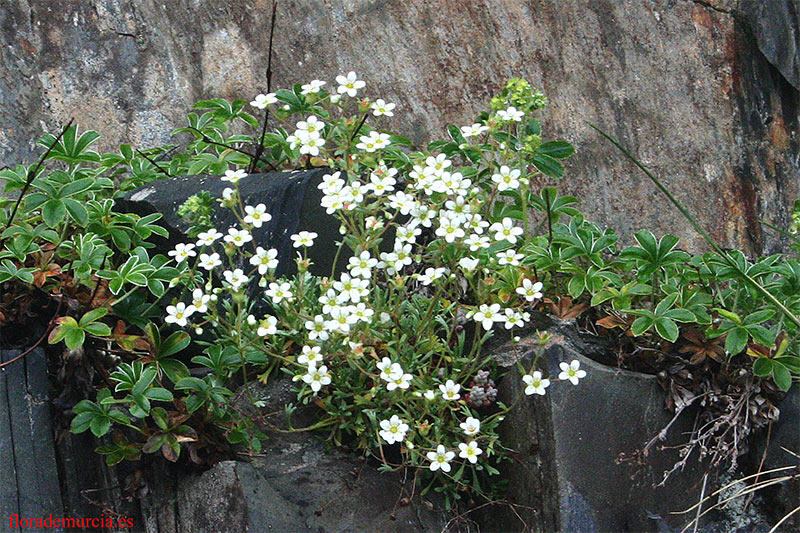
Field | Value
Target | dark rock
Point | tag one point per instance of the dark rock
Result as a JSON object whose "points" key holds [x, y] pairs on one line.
{"points": [[577, 461], [29, 484], [292, 198], [776, 26], [784, 445]]}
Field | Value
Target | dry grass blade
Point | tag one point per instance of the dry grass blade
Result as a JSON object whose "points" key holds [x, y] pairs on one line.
{"points": [[782, 520]]}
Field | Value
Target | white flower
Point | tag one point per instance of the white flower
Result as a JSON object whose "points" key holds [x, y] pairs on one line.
{"points": [[515, 319], [468, 264], [265, 260], [227, 193], [477, 242], [331, 183], [263, 100], [393, 430], [474, 130], [200, 300], [535, 383], [512, 113], [238, 237], [487, 315], [431, 274], [277, 293], [450, 390], [341, 320], [507, 178], [182, 252], [374, 141], [438, 164], [429, 394], [311, 356], [312, 87], [317, 377], [207, 238], [311, 125], [509, 257], [209, 262], [450, 228], [234, 175], [256, 215], [311, 144], [402, 202], [571, 371], [401, 381], [236, 278], [316, 328], [362, 312], [251, 320], [471, 427], [440, 459], [379, 107], [529, 290], [177, 314], [351, 289], [349, 84], [506, 231], [470, 451], [407, 233], [389, 370], [267, 326], [304, 238], [380, 185], [361, 266]]}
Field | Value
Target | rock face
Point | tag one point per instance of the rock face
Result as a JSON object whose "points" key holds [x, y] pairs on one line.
{"points": [[295, 484], [577, 461], [703, 91]]}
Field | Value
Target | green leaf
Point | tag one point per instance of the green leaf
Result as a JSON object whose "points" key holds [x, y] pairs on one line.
{"points": [[667, 329], [174, 369], [76, 210], [174, 344], [557, 149], [758, 317], [641, 325], [783, 379], [159, 415], [100, 425], [81, 422], [790, 362], [159, 394], [53, 212], [93, 316], [762, 367], [98, 329], [549, 166], [74, 338], [736, 341]]}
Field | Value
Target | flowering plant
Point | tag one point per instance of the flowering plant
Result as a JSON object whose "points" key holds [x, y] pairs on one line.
{"points": [[390, 347]]}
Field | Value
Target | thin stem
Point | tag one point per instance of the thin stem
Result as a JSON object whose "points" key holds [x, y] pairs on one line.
{"points": [[260, 148], [33, 173]]}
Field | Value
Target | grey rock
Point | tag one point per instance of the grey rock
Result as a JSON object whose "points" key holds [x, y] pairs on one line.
{"points": [[578, 463], [295, 486], [688, 85]]}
